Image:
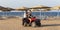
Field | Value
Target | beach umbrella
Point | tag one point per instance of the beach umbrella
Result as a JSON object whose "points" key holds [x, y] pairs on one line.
{"points": [[22, 8], [1, 7], [56, 8], [10, 9], [6, 8], [41, 8]]}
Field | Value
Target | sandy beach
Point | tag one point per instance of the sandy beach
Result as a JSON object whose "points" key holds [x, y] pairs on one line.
{"points": [[16, 24]]}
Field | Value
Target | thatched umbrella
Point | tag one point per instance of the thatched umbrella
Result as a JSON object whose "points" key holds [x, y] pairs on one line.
{"points": [[41, 8], [56, 8], [22, 8], [6, 8], [1, 7]]}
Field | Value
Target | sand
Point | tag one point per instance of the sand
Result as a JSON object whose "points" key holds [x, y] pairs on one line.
{"points": [[16, 24]]}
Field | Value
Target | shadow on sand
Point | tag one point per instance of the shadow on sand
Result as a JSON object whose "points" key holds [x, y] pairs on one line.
{"points": [[50, 25], [47, 25]]}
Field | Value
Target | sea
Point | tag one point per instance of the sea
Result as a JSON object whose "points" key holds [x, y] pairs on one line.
{"points": [[21, 13]]}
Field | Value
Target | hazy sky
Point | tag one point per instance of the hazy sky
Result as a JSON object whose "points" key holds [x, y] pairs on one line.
{"points": [[28, 3]]}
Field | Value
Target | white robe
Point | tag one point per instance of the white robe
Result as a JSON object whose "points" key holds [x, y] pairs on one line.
{"points": [[24, 14]]}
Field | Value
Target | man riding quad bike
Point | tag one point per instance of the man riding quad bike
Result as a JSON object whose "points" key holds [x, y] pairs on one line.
{"points": [[27, 21]]}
